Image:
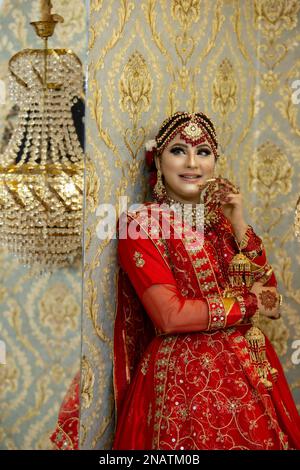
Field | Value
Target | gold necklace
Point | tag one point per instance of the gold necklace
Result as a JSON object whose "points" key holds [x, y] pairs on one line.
{"points": [[196, 215], [190, 213]]}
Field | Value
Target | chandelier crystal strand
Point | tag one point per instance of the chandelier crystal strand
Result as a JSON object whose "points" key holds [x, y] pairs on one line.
{"points": [[41, 171]]}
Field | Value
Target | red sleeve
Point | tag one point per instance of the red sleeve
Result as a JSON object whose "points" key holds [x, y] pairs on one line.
{"points": [[156, 287]]}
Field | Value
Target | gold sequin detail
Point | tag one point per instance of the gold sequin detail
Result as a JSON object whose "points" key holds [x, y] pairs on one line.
{"points": [[145, 364], [138, 258]]}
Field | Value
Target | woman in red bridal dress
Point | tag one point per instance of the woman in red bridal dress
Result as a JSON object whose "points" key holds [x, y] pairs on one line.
{"points": [[192, 370]]}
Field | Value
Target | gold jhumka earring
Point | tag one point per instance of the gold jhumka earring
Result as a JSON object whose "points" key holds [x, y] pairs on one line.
{"points": [[159, 188]]}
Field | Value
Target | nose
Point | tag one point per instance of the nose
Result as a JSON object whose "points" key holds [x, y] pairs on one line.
{"points": [[191, 161]]}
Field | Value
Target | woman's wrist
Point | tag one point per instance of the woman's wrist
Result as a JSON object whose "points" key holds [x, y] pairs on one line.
{"points": [[239, 230]]}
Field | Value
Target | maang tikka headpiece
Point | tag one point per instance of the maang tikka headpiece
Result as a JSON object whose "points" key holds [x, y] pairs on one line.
{"points": [[194, 128]]}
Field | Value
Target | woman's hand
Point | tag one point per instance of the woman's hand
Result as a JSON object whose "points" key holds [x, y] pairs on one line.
{"points": [[232, 207], [229, 198], [268, 300]]}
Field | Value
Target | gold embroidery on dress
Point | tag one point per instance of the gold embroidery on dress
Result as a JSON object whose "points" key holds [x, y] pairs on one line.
{"points": [[181, 394], [145, 364], [200, 262], [138, 258], [160, 377], [149, 417]]}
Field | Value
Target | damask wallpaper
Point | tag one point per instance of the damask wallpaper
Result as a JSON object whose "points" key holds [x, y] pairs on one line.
{"points": [[40, 316], [235, 60]]}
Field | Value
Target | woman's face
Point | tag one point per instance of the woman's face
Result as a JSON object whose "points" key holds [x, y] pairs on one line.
{"points": [[185, 167]]}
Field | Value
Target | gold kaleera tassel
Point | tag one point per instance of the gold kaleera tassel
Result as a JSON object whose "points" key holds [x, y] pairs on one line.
{"points": [[257, 348], [239, 271], [240, 275]]}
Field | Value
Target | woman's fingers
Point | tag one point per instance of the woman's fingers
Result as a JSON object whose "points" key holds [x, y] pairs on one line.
{"points": [[227, 186], [230, 198]]}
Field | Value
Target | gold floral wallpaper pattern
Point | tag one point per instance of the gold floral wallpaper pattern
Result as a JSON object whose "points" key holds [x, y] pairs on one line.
{"points": [[40, 317], [233, 59]]}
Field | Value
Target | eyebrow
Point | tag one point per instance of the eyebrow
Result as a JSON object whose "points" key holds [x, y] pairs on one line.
{"points": [[186, 146]]}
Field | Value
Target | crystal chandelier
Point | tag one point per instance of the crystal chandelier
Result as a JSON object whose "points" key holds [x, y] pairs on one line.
{"points": [[41, 170]]}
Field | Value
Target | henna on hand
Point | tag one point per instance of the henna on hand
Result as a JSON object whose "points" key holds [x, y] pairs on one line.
{"points": [[214, 191], [268, 299]]}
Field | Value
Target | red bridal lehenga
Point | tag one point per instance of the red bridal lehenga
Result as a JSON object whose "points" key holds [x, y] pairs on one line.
{"points": [[191, 389], [66, 434]]}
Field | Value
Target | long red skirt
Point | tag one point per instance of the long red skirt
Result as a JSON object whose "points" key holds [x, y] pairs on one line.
{"points": [[199, 391]]}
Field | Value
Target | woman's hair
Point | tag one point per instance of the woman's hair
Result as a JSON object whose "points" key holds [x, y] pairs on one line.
{"points": [[192, 127]]}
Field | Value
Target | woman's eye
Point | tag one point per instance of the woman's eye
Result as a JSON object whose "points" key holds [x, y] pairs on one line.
{"points": [[181, 150], [177, 150], [204, 152]]}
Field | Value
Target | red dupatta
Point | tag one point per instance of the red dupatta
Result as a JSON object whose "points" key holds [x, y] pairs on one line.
{"points": [[133, 332]]}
